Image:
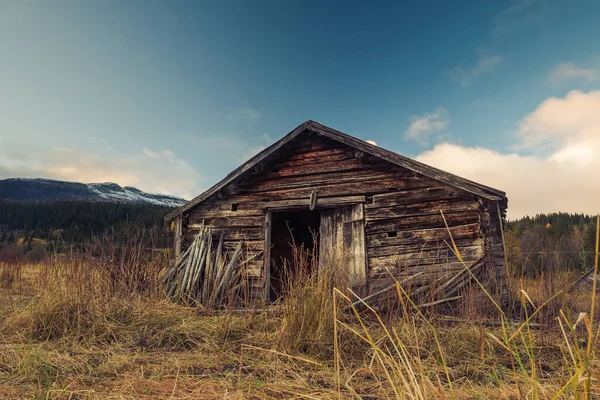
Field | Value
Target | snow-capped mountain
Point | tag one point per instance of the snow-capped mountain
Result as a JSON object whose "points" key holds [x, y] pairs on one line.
{"points": [[37, 189]]}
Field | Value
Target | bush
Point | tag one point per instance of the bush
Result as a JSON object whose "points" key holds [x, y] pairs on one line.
{"points": [[36, 254]]}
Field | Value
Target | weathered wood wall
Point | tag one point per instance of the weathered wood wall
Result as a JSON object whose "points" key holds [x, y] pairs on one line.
{"points": [[404, 230], [497, 259]]}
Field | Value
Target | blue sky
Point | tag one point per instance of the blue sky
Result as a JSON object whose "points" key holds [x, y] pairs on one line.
{"points": [[171, 96]]}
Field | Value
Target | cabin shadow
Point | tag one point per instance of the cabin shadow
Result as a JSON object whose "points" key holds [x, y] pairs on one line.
{"points": [[291, 231]]}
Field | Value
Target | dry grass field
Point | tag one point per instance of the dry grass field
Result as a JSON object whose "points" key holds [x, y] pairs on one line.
{"points": [[80, 327]]}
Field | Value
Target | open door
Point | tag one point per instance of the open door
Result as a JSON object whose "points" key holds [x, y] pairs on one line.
{"points": [[342, 243], [290, 233]]}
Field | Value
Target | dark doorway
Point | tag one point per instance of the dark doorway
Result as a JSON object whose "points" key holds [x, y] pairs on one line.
{"points": [[291, 231]]}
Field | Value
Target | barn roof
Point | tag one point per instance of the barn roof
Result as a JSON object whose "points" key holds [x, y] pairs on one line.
{"points": [[394, 158]]}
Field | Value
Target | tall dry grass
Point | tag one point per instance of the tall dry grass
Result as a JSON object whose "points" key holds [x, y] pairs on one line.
{"points": [[91, 318], [395, 361], [307, 306]]}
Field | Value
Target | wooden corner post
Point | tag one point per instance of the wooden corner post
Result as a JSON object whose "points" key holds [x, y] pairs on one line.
{"points": [[267, 256], [178, 231]]}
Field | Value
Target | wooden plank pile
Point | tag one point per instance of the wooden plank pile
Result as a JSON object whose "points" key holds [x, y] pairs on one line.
{"points": [[587, 278], [441, 290], [203, 275]]}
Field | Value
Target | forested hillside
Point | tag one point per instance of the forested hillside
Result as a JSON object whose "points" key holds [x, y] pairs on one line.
{"points": [[75, 221], [534, 245], [550, 242]]}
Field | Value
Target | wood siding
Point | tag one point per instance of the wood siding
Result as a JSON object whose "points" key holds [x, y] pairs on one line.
{"points": [[403, 227]]}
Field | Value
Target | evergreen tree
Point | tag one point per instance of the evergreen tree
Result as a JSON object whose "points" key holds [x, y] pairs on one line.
{"points": [[589, 245], [78, 220]]}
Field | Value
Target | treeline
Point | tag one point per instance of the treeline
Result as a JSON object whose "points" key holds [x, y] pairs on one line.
{"points": [[550, 242], [76, 221]]}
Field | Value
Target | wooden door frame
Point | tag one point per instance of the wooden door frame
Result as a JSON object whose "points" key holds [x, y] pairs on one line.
{"points": [[268, 230]]}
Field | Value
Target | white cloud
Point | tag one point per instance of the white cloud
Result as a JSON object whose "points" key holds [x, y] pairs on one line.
{"points": [[562, 121], [566, 179], [152, 171], [570, 70], [485, 65], [168, 154], [422, 127], [247, 112], [519, 14], [374, 143]]}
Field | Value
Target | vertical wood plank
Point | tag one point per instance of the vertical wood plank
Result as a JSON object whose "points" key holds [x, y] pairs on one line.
{"points": [[501, 269], [342, 243], [267, 258], [339, 218], [359, 244], [178, 235], [326, 239]]}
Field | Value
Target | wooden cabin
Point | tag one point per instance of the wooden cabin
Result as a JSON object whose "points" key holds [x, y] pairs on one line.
{"points": [[374, 211]]}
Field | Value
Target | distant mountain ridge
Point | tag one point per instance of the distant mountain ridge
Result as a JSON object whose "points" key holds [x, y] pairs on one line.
{"points": [[45, 190]]}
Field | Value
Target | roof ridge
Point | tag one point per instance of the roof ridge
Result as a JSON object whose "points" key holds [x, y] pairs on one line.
{"points": [[318, 125], [387, 155]]}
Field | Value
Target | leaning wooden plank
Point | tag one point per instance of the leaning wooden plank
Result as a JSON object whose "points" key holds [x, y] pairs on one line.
{"points": [[584, 278], [175, 282], [384, 291], [193, 265], [426, 288], [460, 285], [229, 269], [188, 273], [238, 286], [217, 268], [219, 251], [209, 270], [194, 262], [171, 283], [183, 257], [219, 263], [456, 279], [234, 281], [437, 302], [186, 270], [196, 266], [234, 273], [169, 274], [196, 287]]}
